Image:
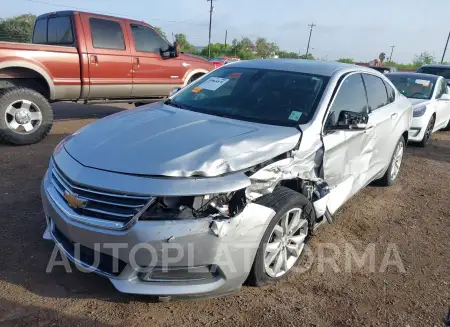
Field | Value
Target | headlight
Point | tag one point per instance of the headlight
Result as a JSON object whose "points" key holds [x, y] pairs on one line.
{"points": [[419, 111]]}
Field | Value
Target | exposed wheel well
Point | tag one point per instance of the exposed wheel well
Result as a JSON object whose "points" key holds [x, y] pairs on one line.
{"points": [[405, 136], [195, 76], [20, 76]]}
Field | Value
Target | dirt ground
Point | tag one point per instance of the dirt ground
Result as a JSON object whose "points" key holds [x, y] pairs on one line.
{"points": [[412, 216]]}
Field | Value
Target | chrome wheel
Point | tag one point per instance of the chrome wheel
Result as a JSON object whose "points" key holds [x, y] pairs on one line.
{"points": [[397, 160], [23, 117], [286, 243]]}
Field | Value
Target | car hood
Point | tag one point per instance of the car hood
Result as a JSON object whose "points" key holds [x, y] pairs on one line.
{"points": [[160, 140], [417, 102]]}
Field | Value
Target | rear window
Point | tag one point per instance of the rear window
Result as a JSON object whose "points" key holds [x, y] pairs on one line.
{"points": [[106, 34], [440, 71], [54, 30]]}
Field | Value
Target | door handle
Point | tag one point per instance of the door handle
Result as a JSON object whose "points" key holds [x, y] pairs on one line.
{"points": [[94, 60], [394, 116], [136, 62]]}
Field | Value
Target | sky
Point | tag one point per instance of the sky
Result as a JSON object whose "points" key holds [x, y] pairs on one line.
{"points": [[357, 29]]}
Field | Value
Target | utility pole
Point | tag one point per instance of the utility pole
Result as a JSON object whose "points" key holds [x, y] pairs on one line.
{"points": [[445, 50], [392, 50], [226, 32], [210, 22], [309, 40]]}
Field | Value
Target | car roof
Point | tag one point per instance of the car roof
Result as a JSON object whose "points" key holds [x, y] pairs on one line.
{"points": [[415, 75], [436, 66], [324, 68]]}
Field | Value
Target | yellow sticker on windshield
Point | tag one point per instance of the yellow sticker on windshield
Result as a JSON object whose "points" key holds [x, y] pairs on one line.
{"points": [[196, 89], [423, 82]]}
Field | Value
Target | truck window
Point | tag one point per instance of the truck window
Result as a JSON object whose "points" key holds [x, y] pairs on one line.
{"points": [[59, 31], [54, 30], [106, 34], [40, 31], [147, 39]]}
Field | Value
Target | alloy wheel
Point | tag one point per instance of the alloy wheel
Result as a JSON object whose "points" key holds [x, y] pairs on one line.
{"points": [[286, 243], [397, 160], [23, 117]]}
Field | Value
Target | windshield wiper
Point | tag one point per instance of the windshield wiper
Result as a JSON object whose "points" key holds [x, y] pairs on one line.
{"points": [[170, 102]]}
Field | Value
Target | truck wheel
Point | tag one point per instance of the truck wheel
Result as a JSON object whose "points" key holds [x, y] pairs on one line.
{"points": [[26, 117], [285, 237]]}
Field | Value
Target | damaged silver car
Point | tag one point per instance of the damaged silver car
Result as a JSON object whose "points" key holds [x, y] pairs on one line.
{"points": [[226, 180]]}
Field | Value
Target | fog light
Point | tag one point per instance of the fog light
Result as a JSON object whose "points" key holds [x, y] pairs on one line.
{"points": [[179, 274], [415, 131]]}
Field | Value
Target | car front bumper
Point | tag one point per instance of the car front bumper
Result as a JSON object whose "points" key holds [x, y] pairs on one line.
{"points": [[418, 128], [228, 245]]}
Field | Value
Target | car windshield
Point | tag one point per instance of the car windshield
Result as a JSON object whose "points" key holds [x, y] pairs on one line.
{"points": [[413, 87], [440, 71], [258, 95]]}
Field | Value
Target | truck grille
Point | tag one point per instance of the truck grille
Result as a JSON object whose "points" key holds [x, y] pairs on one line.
{"points": [[93, 203]]}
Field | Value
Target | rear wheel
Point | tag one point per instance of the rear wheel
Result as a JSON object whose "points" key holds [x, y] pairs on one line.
{"points": [[391, 175], [428, 132], [26, 116], [285, 237]]}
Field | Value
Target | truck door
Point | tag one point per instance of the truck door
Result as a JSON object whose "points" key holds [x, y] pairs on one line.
{"points": [[110, 68], [153, 76]]}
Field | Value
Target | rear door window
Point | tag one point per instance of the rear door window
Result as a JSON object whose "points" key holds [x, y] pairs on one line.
{"points": [[376, 91], [106, 34]]}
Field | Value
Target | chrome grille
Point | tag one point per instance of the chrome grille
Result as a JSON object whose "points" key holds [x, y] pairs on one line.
{"points": [[99, 204]]}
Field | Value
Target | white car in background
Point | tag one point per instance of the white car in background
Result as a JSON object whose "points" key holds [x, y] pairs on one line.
{"points": [[430, 97]]}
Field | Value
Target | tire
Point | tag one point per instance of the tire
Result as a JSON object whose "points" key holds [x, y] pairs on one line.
{"points": [[447, 128], [282, 201], [26, 116], [193, 78], [389, 179], [428, 132]]}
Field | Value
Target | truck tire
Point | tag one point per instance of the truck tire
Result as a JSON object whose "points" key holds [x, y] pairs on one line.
{"points": [[26, 116], [286, 203]]}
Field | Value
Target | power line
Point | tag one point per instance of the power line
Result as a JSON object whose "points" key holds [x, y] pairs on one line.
{"points": [[392, 50], [110, 13], [309, 40]]}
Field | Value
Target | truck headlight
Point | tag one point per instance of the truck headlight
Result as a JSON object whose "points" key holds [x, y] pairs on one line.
{"points": [[419, 111]]}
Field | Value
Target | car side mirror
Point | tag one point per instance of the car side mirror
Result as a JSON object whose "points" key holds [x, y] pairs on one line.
{"points": [[445, 97], [172, 51], [174, 90], [349, 120]]}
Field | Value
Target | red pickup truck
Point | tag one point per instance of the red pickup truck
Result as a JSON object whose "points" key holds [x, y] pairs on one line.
{"points": [[83, 56]]}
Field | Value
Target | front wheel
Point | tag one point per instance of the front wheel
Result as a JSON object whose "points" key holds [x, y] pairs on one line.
{"points": [[391, 175], [26, 116], [285, 238], [428, 132]]}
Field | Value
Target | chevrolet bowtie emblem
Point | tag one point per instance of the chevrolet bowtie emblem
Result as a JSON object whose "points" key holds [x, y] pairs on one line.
{"points": [[74, 201]]}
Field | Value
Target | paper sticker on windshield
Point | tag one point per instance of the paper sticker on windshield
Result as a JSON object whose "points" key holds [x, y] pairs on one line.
{"points": [[423, 82], [295, 115], [235, 75], [213, 83], [196, 89]]}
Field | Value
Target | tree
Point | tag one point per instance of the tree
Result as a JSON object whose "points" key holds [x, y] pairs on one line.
{"points": [[266, 49], [290, 55], [346, 60], [160, 31], [243, 48], [309, 57], [382, 56], [18, 28], [184, 44], [424, 58], [217, 50]]}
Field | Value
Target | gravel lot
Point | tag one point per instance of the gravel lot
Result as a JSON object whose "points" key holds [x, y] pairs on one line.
{"points": [[413, 215]]}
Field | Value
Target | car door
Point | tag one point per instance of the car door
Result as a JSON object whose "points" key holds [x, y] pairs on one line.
{"points": [[109, 57], [442, 105], [347, 152], [153, 75], [383, 115]]}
